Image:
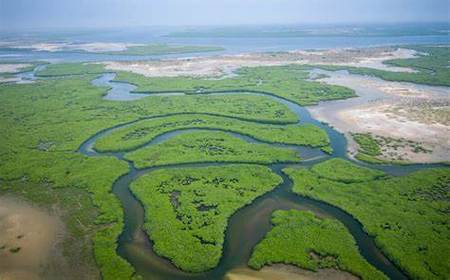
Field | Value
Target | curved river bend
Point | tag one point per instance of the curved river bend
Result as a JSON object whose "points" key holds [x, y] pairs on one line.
{"points": [[249, 224]]}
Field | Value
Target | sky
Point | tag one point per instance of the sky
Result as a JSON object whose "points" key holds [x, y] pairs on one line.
{"points": [[16, 14]]}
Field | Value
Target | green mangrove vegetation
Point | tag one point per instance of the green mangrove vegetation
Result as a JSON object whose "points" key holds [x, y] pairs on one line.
{"points": [[290, 82], [66, 69], [379, 149], [341, 170], [68, 111], [368, 148], [209, 146], [408, 215], [44, 123], [135, 135], [42, 126], [187, 209], [299, 238]]}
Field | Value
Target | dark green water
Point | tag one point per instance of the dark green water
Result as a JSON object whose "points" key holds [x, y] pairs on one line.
{"points": [[249, 224]]}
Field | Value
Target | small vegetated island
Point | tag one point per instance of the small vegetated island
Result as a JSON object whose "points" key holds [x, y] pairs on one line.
{"points": [[142, 132], [209, 147], [246, 123], [188, 208]]}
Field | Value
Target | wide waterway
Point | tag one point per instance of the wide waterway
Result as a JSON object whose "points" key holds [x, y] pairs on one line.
{"points": [[231, 45]]}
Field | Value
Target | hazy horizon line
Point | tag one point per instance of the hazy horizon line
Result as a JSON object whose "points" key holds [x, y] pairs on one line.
{"points": [[338, 23]]}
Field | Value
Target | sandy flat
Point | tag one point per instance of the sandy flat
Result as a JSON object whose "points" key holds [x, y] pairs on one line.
{"points": [[287, 272], [391, 109], [376, 62], [13, 67], [95, 47], [9, 80], [195, 67], [32, 233], [217, 66], [101, 47]]}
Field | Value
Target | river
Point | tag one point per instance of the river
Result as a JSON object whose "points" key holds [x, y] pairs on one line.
{"points": [[249, 224]]}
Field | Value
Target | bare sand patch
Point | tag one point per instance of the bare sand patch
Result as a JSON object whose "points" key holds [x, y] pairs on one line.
{"points": [[9, 79], [49, 47], [403, 111], [13, 67], [287, 272], [377, 120], [194, 67], [29, 238], [103, 47], [217, 66], [377, 62]]}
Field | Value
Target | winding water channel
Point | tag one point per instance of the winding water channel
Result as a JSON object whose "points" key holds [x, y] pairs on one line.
{"points": [[249, 224]]}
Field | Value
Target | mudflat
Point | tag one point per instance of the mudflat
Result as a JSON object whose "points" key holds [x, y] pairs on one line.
{"points": [[29, 239]]}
